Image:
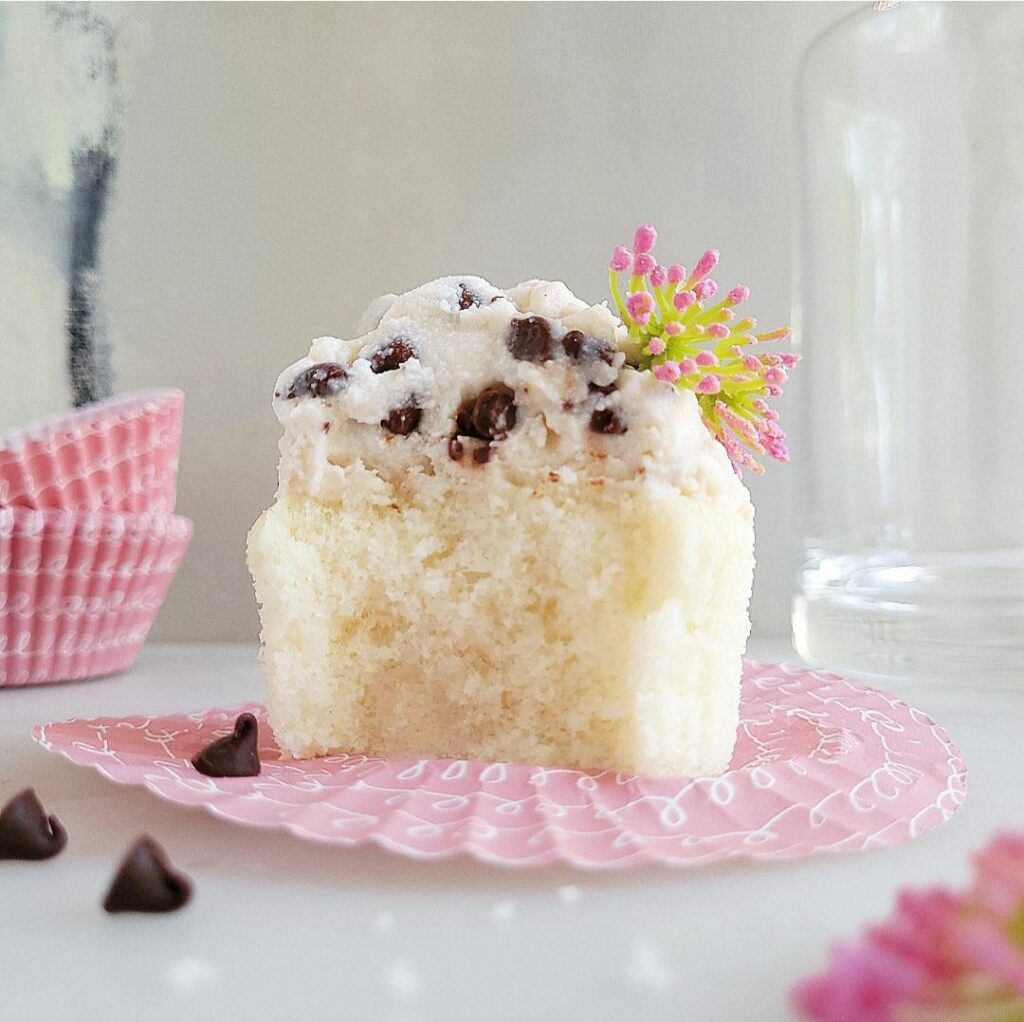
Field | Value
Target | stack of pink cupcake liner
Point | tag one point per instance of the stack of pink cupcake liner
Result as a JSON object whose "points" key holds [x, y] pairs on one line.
{"points": [[89, 542]]}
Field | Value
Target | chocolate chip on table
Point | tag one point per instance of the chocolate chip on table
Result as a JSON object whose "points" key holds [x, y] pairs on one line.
{"points": [[467, 300], [456, 449], [402, 421], [581, 348], [321, 380], [146, 882], [530, 339], [607, 421], [391, 355], [26, 832], [234, 755], [482, 455]]}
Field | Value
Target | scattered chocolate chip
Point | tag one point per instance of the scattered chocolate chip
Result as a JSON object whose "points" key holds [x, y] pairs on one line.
{"points": [[498, 298], [391, 355], [456, 449], [596, 388], [327, 427], [321, 380], [26, 832], [607, 421], [146, 882], [402, 421], [581, 348], [234, 755], [467, 300], [530, 339], [482, 455], [554, 477]]}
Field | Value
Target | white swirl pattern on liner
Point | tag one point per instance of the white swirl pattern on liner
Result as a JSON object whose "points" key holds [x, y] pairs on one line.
{"points": [[853, 768]]}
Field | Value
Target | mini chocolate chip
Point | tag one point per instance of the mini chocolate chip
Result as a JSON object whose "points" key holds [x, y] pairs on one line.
{"points": [[530, 339], [467, 300], [402, 421], [327, 427], [146, 882], [607, 421], [456, 449], [595, 388], [581, 348], [482, 455], [234, 755], [391, 355], [26, 832], [321, 380], [494, 412]]}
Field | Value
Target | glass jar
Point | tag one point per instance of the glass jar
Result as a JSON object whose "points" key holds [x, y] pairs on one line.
{"points": [[910, 302]]}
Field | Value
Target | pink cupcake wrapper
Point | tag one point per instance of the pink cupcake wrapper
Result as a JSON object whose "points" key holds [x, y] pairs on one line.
{"points": [[120, 454], [79, 590]]}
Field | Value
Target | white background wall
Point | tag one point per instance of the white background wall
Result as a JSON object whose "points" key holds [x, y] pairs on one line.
{"points": [[286, 163]]}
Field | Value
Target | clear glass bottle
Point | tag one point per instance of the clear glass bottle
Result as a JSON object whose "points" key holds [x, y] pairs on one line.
{"points": [[910, 304]]}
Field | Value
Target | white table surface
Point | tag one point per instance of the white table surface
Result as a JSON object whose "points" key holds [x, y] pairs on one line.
{"points": [[283, 929]]}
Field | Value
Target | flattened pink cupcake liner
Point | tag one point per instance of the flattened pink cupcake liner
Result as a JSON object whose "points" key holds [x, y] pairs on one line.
{"points": [[120, 454], [79, 590]]}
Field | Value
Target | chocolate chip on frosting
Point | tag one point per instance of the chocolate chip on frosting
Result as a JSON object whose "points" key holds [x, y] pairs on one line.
{"points": [[482, 455], [26, 832], [581, 348], [391, 355], [146, 882], [321, 380], [456, 449], [607, 421], [494, 412], [234, 755], [467, 300], [402, 421], [530, 339]]}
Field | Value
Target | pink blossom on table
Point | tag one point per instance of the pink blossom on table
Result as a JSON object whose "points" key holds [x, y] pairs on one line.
{"points": [[656, 346], [667, 371], [644, 239], [942, 955]]}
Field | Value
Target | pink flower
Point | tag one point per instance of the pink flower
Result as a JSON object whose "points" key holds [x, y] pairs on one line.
{"points": [[658, 276], [621, 260], [705, 289], [709, 385], [676, 273], [940, 954], [687, 366], [673, 328], [706, 358], [667, 371], [644, 263], [738, 294], [644, 239], [639, 303], [705, 264], [682, 300], [656, 346], [718, 330]]}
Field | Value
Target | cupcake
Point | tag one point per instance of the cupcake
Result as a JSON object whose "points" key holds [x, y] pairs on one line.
{"points": [[504, 530]]}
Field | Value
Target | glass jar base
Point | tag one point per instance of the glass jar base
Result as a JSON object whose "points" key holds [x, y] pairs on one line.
{"points": [[945, 616]]}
